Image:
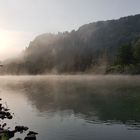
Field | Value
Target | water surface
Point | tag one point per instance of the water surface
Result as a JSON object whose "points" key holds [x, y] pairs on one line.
{"points": [[75, 107]]}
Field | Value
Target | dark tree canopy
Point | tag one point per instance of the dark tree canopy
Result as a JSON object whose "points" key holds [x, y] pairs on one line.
{"points": [[125, 55], [137, 51]]}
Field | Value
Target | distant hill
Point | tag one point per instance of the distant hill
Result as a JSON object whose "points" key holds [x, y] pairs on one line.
{"points": [[92, 46]]}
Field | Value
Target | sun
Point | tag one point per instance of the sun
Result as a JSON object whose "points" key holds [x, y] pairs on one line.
{"points": [[8, 44], [13, 42], [5, 39]]}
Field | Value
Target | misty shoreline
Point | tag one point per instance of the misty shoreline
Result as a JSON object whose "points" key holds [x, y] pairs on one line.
{"points": [[78, 77], [74, 75]]}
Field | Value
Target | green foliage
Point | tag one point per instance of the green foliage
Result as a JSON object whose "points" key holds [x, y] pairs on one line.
{"points": [[125, 55], [137, 51], [128, 59]]}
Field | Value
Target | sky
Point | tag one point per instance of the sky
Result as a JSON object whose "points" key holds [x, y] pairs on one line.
{"points": [[22, 20]]}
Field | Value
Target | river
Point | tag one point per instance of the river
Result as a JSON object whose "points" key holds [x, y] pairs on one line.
{"points": [[75, 107]]}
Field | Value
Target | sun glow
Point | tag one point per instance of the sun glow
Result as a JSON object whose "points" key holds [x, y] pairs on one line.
{"points": [[12, 43], [8, 44], [5, 40]]}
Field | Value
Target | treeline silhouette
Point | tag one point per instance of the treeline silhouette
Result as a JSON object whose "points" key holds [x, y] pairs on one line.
{"points": [[94, 47]]}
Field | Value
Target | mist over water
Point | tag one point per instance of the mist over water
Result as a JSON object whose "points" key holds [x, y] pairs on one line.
{"points": [[75, 107]]}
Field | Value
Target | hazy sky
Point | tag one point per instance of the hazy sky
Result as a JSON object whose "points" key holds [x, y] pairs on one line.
{"points": [[22, 20]]}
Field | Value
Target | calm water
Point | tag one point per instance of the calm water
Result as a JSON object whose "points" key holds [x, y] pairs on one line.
{"points": [[75, 107]]}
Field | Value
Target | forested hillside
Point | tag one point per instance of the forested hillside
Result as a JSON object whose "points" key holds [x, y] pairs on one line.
{"points": [[94, 47]]}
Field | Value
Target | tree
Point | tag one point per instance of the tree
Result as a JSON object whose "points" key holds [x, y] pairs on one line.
{"points": [[137, 52], [125, 55]]}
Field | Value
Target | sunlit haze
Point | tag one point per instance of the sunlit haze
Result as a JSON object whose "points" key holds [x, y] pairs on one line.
{"points": [[22, 20], [12, 43]]}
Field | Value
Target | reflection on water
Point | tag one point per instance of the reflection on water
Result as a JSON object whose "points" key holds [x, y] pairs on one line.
{"points": [[76, 107]]}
